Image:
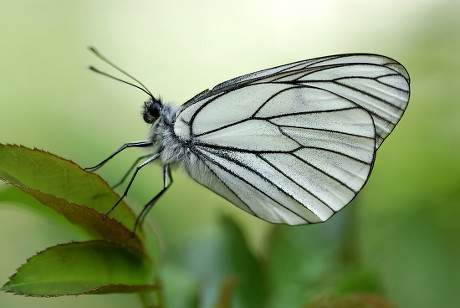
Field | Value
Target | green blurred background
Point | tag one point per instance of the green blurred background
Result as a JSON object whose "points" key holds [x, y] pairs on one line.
{"points": [[408, 213]]}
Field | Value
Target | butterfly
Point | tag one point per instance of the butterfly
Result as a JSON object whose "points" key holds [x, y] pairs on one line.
{"points": [[292, 144]]}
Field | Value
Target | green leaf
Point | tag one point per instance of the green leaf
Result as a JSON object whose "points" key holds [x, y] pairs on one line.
{"points": [[304, 261], [47, 174], [85, 217], [93, 267], [226, 272]]}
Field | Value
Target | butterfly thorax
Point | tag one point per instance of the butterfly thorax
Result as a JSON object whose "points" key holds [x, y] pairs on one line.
{"points": [[165, 142]]}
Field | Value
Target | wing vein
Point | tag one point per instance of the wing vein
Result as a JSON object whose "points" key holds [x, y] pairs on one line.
{"points": [[307, 112], [326, 130], [228, 187], [253, 186], [332, 151], [304, 188], [324, 172]]}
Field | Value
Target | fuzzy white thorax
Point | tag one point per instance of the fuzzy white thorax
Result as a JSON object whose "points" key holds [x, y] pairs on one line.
{"points": [[174, 149], [165, 142]]}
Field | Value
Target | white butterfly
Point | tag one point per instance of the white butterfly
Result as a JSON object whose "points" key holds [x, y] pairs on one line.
{"points": [[292, 144]]}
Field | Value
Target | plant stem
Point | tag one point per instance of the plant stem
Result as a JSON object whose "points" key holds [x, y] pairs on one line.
{"points": [[150, 299], [350, 246]]}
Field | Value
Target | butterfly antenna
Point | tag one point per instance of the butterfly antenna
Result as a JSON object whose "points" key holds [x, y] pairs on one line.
{"points": [[100, 56], [118, 79]]}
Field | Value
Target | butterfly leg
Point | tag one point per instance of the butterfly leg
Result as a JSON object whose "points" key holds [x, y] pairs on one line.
{"points": [[139, 144], [131, 169], [148, 161], [167, 181]]}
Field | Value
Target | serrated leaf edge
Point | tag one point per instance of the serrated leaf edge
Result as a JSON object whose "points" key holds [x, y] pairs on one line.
{"points": [[139, 230], [2, 288], [140, 247]]}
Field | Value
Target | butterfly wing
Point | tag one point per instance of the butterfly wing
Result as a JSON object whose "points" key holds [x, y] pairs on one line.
{"points": [[296, 143], [377, 83]]}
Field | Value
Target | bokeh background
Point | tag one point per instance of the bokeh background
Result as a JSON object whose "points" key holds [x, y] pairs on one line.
{"points": [[408, 213]]}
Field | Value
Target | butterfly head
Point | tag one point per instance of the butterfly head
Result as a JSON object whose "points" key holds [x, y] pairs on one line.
{"points": [[151, 110]]}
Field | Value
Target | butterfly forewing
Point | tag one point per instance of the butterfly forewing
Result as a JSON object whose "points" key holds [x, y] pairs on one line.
{"points": [[377, 83]]}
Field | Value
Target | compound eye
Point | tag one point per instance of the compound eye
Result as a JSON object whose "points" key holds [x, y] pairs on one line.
{"points": [[151, 110], [154, 110]]}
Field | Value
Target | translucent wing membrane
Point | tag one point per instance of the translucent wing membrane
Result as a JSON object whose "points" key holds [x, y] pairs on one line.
{"points": [[376, 83], [295, 143]]}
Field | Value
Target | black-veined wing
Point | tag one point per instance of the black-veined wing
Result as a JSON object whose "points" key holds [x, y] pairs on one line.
{"points": [[377, 83], [296, 143]]}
